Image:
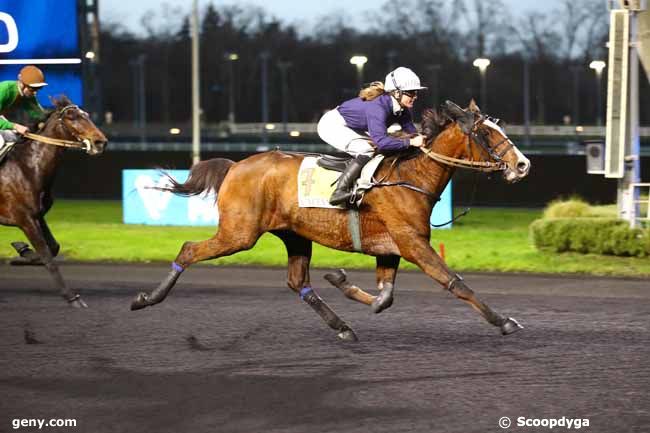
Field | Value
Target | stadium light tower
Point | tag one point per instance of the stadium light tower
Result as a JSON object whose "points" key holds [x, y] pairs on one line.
{"points": [[598, 66], [482, 64], [231, 58], [359, 61]]}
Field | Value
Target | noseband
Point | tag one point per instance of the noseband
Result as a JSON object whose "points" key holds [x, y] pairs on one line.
{"points": [[79, 143], [474, 136]]}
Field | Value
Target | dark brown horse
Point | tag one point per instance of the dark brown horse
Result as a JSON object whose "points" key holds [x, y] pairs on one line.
{"points": [[26, 178], [259, 194]]}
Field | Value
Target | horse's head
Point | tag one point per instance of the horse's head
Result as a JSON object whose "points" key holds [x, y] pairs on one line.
{"points": [[480, 138], [69, 122]]}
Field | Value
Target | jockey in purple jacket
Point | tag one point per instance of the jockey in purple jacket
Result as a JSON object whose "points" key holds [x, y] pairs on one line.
{"points": [[359, 126]]}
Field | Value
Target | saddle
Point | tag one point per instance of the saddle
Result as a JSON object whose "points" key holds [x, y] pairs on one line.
{"points": [[318, 175], [334, 163], [4, 151]]}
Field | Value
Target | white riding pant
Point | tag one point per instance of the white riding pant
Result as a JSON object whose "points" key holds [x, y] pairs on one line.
{"points": [[333, 130], [7, 136]]}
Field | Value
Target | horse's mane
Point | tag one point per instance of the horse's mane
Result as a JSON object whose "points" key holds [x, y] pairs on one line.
{"points": [[58, 103], [433, 123]]}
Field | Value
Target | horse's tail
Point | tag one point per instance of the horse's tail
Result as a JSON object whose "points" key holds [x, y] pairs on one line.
{"points": [[204, 176]]}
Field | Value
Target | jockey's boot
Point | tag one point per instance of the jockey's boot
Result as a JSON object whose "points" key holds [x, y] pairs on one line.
{"points": [[343, 192]]}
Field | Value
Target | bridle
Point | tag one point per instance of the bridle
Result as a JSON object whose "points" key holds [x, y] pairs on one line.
{"points": [[475, 136], [78, 143]]}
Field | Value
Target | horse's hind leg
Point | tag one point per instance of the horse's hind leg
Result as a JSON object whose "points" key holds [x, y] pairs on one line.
{"points": [[386, 271], [227, 241], [299, 252], [35, 233]]}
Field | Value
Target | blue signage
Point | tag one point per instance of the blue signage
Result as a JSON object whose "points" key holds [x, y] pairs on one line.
{"points": [[443, 210], [141, 204], [44, 33]]}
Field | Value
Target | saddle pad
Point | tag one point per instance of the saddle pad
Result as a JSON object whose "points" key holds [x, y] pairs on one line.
{"points": [[316, 184], [4, 150]]}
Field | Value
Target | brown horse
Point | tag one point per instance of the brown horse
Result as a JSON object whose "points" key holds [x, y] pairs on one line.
{"points": [[26, 178], [259, 194]]}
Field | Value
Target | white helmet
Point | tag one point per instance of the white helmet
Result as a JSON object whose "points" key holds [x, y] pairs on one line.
{"points": [[402, 79]]}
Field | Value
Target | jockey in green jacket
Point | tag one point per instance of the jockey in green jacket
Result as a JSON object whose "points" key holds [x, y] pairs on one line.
{"points": [[19, 95]]}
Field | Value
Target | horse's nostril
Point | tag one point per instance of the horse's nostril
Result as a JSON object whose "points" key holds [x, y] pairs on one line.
{"points": [[522, 166]]}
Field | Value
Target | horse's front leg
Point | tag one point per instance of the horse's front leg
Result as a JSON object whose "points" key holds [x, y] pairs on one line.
{"points": [[386, 271], [418, 251], [35, 233]]}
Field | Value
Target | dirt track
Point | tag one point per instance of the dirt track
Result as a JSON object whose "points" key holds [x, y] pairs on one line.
{"points": [[233, 350]]}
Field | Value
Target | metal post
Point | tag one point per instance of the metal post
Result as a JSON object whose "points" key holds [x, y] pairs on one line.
{"points": [[284, 66], [632, 167], [264, 57], [231, 92], [527, 102], [599, 97], [576, 93], [196, 105], [483, 90], [142, 101], [435, 69], [390, 56], [359, 76]]}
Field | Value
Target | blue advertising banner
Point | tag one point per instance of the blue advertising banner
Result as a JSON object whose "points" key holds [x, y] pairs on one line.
{"points": [[43, 33], [144, 205], [443, 210]]}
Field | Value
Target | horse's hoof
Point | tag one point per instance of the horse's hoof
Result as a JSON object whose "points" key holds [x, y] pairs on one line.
{"points": [[78, 303], [510, 326], [139, 302], [382, 302], [347, 334], [336, 278]]}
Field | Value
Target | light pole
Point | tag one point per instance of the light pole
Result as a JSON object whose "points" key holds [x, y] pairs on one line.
{"points": [[359, 61], [598, 66], [139, 95], [576, 93], [264, 58], [231, 58], [284, 66], [196, 101], [482, 64], [435, 69]]}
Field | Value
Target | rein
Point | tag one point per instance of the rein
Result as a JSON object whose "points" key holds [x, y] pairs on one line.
{"points": [[486, 166], [85, 145]]}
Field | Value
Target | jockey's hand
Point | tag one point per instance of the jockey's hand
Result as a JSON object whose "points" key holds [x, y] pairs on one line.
{"points": [[417, 141], [21, 129]]}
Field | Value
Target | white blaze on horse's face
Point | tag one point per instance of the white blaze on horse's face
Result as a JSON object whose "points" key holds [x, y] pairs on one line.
{"points": [[518, 164]]}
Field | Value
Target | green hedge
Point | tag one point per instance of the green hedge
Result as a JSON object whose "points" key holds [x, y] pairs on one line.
{"points": [[590, 235]]}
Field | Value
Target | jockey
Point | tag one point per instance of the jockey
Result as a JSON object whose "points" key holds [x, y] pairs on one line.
{"points": [[359, 126], [20, 94]]}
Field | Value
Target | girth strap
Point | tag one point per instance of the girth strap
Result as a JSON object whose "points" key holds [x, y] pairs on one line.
{"points": [[354, 229]]}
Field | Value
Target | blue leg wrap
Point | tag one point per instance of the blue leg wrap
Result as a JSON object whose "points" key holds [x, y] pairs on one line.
{"points": [[304, 292], [177, 267]]}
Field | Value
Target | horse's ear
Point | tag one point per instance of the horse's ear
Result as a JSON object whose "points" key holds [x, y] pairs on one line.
{"points": [[464, 118], [473, 107], [453, 110]]}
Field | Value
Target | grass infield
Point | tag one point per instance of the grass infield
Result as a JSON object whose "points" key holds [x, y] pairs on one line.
{"points": [[487, 239]]}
